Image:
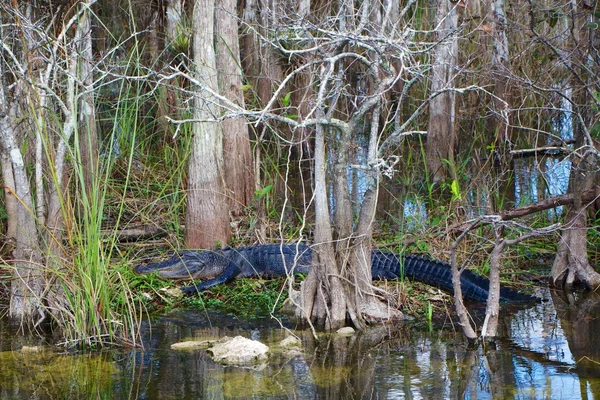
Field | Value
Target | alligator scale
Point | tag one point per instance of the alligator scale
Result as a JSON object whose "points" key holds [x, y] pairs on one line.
{"points": [[215, 267]]}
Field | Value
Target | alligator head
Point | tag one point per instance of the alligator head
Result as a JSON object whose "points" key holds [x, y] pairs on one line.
{"points": [[188, 265]]}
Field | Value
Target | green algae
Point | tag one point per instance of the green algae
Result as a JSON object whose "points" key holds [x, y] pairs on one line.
{"points": [[47, 374]]}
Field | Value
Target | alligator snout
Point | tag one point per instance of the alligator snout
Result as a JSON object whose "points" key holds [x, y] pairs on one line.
{"points": [[186, 265]]}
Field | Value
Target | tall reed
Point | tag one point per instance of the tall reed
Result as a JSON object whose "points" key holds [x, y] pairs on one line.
{"points": [[104, 308]]}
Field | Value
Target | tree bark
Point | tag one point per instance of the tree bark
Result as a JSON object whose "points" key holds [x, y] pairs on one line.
{"points": [[323, 297], [571, 263], [260, 63], [174, 11], [500, 126], [207, 214], [237, 159], [28, 278], [88, 134], [349, 246], [27, 282], [10, 201], [441, 135], [492, 311], [461, 310]]}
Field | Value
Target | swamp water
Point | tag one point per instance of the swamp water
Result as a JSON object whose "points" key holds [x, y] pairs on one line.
{"points": [[548, 351]]}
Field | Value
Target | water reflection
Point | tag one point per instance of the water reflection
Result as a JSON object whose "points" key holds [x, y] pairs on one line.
{"points": [[557, 342], [545, 354], [39, 373]]}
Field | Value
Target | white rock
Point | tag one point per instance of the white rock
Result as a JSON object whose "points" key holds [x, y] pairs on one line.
{"points": [[239, 351], [32, 349], [346, 331]]}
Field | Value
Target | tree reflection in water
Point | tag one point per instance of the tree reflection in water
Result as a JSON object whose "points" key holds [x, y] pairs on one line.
{"points": [[548, 351]]}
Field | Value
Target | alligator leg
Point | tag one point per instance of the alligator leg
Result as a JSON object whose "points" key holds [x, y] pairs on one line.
{"points": [[232, 271]]}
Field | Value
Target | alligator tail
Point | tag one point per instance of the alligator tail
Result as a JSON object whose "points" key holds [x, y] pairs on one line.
{"points": [[439, 274]]}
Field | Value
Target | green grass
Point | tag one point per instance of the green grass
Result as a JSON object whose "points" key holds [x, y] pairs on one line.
{"points": [[246, 298], [104, 309], [103, 298]]}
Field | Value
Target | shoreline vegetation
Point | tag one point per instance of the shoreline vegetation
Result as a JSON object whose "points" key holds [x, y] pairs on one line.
{"points": [[467, 134], [243, 296]]}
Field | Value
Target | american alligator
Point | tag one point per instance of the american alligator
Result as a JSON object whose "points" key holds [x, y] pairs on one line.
{"points": [[224, 265]]}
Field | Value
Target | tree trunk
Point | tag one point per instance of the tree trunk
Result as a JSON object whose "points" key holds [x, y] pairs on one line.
{"points": [[323, 297], [500, 125], [350, 254], [27, 282], [500, 71], [261, 66], [338, 288], [237, 159], [207, 215], [571, 263], [10, 201], [88, 134], [174, 14], [177, 42], [492, 311], [441, 135], [28, 279]]}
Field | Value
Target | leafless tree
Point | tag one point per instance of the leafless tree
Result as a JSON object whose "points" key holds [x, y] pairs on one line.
{"points": [[571, 263]]}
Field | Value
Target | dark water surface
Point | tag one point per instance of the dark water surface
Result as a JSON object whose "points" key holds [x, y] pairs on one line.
{"points": [[549, 351]]}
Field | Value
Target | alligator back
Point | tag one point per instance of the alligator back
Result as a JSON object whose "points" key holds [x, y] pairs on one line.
{"points": [[271, 260]]}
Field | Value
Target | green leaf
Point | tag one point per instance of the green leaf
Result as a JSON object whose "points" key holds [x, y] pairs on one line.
{"points": [[455, 190], [260, 193], [287, 99]]}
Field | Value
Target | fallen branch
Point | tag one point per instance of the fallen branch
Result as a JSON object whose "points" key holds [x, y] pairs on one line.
{"points": [[551, 150], [139, 232], [588, 197]]}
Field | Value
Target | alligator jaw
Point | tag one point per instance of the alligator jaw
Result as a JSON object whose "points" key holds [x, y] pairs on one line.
{"points": [[183, 266], [180, 271]]}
